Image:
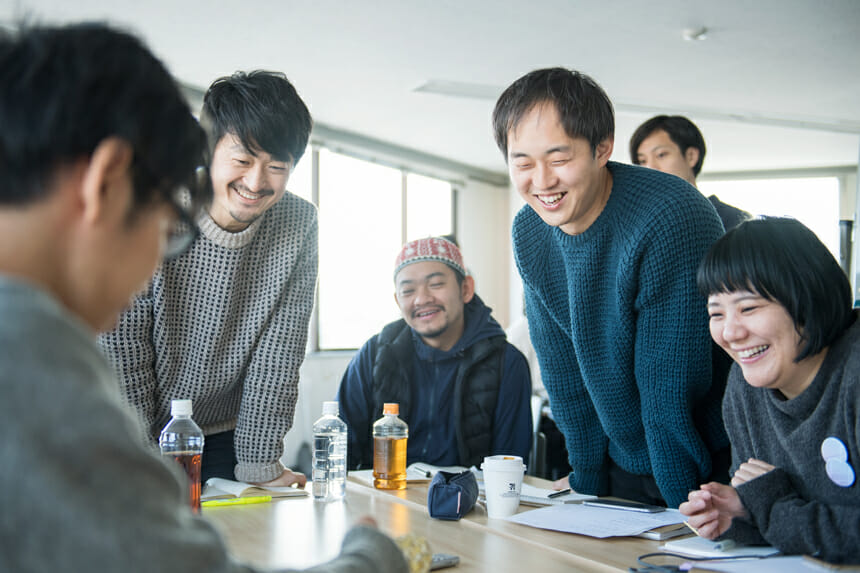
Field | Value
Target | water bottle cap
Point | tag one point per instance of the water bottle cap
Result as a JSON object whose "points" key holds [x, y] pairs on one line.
{"points": [[391, 408], [330, 408], [180, 408]]}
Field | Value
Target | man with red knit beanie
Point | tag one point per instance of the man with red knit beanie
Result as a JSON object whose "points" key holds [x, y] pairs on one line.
{"points": [[462, 387]]}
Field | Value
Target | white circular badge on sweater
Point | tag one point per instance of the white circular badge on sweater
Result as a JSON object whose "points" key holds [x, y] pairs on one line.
{"points": [[835, 456], [840, 473], [833, 448]]}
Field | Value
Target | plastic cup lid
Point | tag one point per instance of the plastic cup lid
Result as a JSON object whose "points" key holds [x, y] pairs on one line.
{"points": [[503, 462]]}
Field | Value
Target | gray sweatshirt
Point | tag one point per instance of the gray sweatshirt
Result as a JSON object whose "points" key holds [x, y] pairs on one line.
{"points": [[79, 490]]}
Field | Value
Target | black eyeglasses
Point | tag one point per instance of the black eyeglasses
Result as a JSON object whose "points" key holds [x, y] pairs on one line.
{"points": [[185, 203]]}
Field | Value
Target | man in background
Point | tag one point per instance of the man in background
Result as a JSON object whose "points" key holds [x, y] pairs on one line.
{"points": [[225, 324], [673, 144], [96, 145], [608, 256], [462, 388]]}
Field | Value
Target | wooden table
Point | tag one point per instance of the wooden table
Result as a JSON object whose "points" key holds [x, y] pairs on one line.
{"points": [[299, 532]]}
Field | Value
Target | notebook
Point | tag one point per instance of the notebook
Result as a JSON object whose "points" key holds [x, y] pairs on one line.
{"points": [[419, 472], [219, 488], [701, 547], [537, 496]]}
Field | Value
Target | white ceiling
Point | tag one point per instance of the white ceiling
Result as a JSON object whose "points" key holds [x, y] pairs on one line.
{"points": [[356, 63]]}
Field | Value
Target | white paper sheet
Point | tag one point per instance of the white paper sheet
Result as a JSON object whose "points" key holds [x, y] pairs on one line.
{"points": [[595, 521], [795, 564]]}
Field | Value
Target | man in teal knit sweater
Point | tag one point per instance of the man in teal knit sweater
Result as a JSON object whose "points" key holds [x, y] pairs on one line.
{"points": [[608, 255]]}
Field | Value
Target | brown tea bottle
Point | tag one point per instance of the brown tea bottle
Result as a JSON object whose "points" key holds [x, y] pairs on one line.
{"points": [[182, 440], [389, 449]]}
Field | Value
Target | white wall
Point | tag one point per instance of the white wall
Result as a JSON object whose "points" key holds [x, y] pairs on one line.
{"points": [[848, 196], [483, 231]]}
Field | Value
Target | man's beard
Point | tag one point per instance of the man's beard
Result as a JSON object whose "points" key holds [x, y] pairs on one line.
{"points": [[246, 218], [435, 333]]}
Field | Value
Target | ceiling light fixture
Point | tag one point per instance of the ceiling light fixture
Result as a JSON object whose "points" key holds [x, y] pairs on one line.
{"points": [[460, 89], [695, 34]]}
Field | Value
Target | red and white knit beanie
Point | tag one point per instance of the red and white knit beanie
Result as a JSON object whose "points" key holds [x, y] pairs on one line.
{"points": [[430, 249]]}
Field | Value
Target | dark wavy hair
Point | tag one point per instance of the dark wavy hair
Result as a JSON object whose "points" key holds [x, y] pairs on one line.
{"points": [[262, 109], [680, 130], [65, 89], [583, 106], [783, 261]]}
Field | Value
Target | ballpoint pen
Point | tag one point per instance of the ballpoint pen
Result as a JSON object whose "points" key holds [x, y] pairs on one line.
{"points": [[559, 493], [696, 531], [237, 501]]}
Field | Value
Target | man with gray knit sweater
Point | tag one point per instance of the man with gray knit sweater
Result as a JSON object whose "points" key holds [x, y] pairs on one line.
{"points": [[96, 141], [225, 324]]}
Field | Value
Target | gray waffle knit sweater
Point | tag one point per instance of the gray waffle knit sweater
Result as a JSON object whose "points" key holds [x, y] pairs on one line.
{"points": [[225, 325], [79, 491]]}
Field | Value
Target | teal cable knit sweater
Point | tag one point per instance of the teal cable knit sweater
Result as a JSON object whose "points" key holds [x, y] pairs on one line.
{"points": [[621, 332]]}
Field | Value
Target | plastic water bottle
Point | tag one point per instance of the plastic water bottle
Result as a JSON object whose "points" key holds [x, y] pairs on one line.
{"points": [[182, 440], [329, 459], [389, 449]]}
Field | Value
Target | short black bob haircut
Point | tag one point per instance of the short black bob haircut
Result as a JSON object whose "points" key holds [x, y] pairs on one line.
{"points": [[262, 109], [783, 261], [583, 107], [680, 130]]}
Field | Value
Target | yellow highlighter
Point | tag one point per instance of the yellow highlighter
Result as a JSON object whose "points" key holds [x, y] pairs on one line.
{"points": [[237, 501]]}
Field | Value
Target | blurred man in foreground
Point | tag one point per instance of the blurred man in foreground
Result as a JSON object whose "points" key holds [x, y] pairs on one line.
{"points": [[95, 147]]}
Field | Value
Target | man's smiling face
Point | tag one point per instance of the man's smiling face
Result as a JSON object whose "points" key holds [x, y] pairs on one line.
{"points": [[246, 183], [559, 176], [431, 300]]}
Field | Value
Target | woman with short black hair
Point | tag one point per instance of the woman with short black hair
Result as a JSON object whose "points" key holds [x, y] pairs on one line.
{"points": [[780, 306]]}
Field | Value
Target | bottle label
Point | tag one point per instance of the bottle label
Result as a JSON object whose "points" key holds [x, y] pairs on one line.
{"points": [[191, 463], [389, 462]]}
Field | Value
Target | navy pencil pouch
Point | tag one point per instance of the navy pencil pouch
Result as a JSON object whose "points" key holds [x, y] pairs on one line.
{"points": [[451, 496]]}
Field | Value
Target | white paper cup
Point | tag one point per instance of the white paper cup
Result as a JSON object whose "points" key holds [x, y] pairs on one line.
{"points": [[503, 479]]}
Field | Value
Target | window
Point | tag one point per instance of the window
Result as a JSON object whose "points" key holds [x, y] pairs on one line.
{"points": [[366, 212], [301, 177], [814, 201]]}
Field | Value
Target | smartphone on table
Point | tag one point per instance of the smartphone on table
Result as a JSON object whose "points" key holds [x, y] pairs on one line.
{"points": [[626, 505], [443, 560]]}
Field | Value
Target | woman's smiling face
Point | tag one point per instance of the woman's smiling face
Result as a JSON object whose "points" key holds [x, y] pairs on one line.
{"points": [[761, 337]]}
